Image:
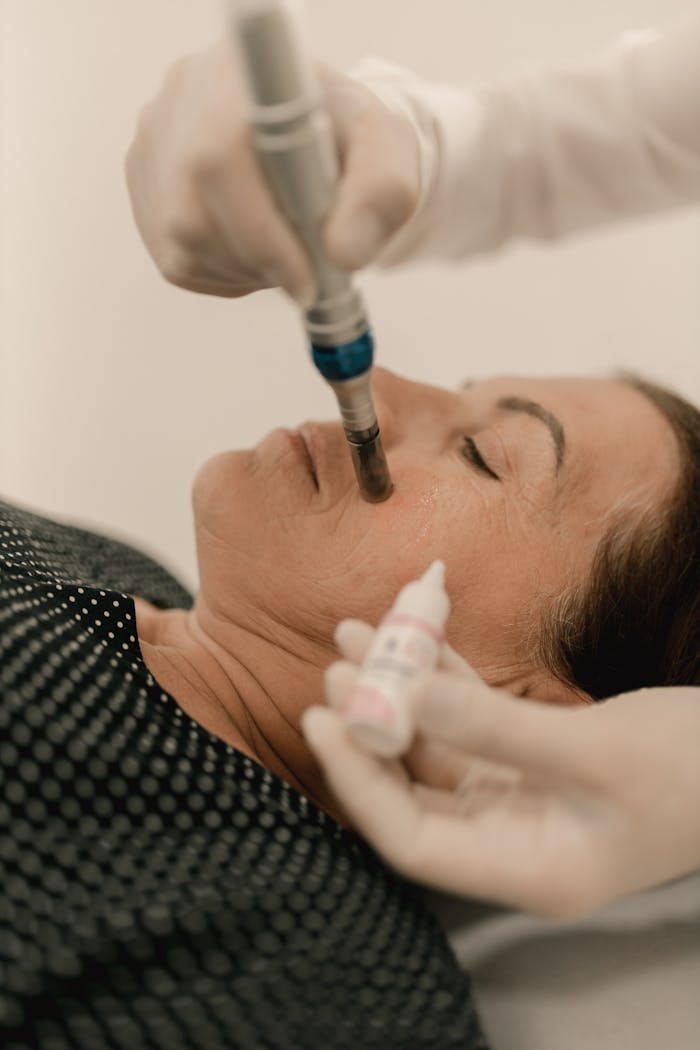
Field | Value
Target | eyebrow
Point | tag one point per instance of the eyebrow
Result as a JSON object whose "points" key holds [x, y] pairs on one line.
{"points": [[538, 411]]}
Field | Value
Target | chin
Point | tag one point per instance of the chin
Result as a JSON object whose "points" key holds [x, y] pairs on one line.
{"points": [[242, 513], [222, 491]]}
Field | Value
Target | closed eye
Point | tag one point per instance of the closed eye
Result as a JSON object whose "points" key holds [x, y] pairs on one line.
{"points": [[472, 455]]}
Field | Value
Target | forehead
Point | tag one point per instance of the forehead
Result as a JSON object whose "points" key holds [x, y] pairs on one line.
{"points": [[616, 438]]}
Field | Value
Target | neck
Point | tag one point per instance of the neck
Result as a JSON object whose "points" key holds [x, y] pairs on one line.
{"points": [[247, 685]]}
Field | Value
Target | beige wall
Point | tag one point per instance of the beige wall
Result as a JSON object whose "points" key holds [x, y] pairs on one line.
{"points": [[115, 386]]}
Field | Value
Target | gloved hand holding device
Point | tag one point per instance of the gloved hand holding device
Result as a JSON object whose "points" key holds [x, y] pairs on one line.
{"points": [[473, 168], [551, 810], [204, 207]]}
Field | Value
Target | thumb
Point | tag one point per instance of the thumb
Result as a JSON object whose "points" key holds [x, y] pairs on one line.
{"points": [[491, 723], [378, 190]]}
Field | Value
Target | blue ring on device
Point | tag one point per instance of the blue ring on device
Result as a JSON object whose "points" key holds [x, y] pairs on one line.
{"points": [[345, 361]]}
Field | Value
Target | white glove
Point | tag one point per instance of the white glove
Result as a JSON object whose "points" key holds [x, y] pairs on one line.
{"points": [[203, 207], [547, 809]]}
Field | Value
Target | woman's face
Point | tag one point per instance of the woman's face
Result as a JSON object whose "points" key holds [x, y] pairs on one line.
{"points": [[509, 481]]}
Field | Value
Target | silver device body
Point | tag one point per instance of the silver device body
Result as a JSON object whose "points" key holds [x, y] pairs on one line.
{"points": [[293, 137]]}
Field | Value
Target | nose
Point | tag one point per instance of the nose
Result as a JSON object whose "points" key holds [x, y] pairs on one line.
{"points": [[405, 407]]}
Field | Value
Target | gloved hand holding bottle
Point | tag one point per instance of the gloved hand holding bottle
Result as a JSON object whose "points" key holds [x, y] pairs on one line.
{"points": [[551, 810]]}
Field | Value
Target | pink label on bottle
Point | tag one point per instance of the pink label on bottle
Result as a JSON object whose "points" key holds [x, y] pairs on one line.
{"points": [[414, 621], [367, 703]]}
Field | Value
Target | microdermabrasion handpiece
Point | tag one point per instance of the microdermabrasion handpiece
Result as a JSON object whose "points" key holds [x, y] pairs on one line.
{"points": [[293, 137]]}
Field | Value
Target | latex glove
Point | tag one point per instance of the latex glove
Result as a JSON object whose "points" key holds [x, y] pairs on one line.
{"points": [[552, 810], [203, 207]]}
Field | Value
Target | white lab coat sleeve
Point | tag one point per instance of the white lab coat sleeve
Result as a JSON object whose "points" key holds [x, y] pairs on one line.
{"points": [[550, 151]]}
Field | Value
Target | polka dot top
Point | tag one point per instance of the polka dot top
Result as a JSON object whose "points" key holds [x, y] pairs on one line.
{"points": [[159, 889]]}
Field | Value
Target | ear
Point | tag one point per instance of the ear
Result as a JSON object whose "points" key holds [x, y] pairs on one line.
{"points": [[540, 685]]}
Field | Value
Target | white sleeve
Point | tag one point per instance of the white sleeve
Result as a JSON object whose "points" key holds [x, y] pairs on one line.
{"points": [[550, 150]]}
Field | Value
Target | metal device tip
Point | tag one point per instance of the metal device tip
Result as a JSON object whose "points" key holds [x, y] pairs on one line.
{"points": [[371, 469]]}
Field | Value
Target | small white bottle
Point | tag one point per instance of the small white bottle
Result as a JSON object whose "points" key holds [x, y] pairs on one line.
{"points": [[407, 642]]}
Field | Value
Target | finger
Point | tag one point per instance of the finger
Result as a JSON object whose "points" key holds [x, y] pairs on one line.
{"points": [[379, 803], [436, 764], [493, 856], [378, 190], [354, 638], [537, 737], [249, 218], [496, 854], [435, 799], [339, 681]]}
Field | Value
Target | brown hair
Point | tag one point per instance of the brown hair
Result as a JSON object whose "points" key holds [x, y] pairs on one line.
{"points": [[635, 621]]}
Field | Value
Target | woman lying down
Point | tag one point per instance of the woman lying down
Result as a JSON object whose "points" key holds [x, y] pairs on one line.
{"points": [[177, 871]]}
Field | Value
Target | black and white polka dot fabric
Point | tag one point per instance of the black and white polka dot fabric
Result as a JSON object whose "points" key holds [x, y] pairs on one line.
{"points": [[158, 888]]}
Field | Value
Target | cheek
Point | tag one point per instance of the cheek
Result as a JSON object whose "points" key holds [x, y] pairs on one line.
{"points": [[499, 580], [424, 519], [410, 516], [377, 548]]}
